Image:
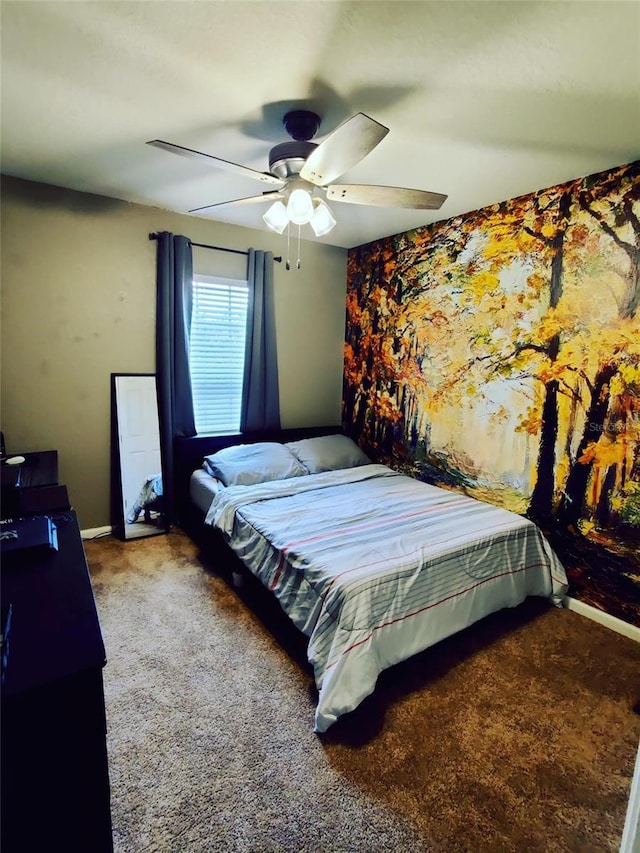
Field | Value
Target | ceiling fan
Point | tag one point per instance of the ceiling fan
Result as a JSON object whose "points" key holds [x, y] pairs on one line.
{"points": [[303, 170]]}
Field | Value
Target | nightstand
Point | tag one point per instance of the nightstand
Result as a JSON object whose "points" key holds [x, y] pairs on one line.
{"points": [[32, 487]]}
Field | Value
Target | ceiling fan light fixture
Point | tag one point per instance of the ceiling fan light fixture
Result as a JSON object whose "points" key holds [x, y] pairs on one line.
{"points": [[277, 217], [300, 207], [322, 220], [301, 169]]}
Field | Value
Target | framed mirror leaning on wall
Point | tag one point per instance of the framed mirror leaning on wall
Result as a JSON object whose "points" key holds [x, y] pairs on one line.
{"points": [[137, 486]]}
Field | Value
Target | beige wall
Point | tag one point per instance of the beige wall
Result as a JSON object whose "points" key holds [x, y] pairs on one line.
{"points": [[78, 303]]}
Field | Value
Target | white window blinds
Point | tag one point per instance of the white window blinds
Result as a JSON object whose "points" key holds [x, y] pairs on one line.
{"points": [[218, 331]]}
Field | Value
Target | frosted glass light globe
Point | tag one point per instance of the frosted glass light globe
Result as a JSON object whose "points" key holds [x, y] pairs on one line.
{"points": [[300, 207], [322, 220], [276, 217]]}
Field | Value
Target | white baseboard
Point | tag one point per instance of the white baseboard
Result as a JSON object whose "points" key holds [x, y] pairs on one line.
{"points": [[93, 532], [603, 618]]}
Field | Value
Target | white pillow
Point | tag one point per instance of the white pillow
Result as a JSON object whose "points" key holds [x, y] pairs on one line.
{"points": [[328, 453], [247, 464]]}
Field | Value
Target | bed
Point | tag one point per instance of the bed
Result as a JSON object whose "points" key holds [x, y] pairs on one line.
{"points": [[371, 565]]}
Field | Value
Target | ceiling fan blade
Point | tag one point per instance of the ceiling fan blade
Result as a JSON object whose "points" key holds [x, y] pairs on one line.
{"points": [[386, 196], [245, 171], [347, 145], [252, 199]]}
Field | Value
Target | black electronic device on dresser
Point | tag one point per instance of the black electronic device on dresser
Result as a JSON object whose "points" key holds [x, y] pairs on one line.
{"points": [[55, 779]]}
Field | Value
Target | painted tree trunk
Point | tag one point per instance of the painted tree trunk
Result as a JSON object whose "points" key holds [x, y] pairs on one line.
{"points": [[541, 503], [571, 505]]}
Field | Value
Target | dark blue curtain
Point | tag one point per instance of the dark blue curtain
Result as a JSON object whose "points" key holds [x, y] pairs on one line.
{"points": [[260, 396], [173, 322]]}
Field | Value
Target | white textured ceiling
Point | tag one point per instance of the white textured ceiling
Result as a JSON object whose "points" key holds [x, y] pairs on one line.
{"points": [[484, 100]]}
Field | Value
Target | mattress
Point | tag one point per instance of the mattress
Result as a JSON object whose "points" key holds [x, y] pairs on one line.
{"points": [[202, 489]]}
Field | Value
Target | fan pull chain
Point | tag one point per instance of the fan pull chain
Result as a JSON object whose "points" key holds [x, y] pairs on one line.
{"points": [[287, 266], [298, 264]]}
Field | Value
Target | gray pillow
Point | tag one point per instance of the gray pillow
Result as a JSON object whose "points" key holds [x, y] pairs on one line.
{"points": [[247, 464], [328, 453]]}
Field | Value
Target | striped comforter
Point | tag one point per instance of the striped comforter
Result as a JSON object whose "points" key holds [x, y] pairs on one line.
{"points": [[374, 566]]}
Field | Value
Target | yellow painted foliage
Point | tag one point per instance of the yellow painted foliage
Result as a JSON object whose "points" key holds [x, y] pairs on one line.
{"points": [[530, 423], [604, 452], [628, 377], [479, 286]]}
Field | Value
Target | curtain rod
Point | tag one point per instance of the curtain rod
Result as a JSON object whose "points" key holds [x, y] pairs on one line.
{"points": [[154, 236]]}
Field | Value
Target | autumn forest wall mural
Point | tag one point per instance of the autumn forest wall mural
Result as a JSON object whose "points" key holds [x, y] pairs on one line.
{"points": [[498, 353]]}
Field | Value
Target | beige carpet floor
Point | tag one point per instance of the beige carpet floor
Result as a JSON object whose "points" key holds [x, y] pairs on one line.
{"points": [[516, 735]]}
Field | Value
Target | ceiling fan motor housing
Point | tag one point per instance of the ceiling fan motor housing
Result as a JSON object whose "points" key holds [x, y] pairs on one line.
{"points": [[288, 158]]}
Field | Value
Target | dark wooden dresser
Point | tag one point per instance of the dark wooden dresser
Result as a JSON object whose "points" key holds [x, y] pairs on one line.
{"points": [[55, 779]]}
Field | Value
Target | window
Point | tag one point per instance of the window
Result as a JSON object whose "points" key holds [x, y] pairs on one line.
{"points": [[216, 351]]}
